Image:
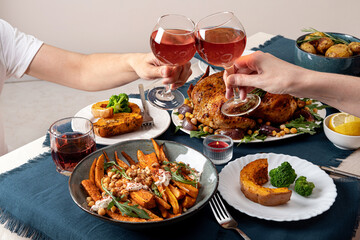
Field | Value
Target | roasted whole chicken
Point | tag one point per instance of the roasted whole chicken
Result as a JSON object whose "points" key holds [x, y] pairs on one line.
{"points": [[208, 95]]}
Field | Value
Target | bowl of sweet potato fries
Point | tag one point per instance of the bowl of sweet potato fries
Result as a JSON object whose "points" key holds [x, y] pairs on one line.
{"points": [[143, 183]]}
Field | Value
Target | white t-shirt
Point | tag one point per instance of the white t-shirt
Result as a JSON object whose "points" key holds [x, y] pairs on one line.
{"points": [[17, 50]]}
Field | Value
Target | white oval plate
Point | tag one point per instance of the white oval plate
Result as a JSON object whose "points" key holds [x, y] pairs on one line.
{"points": [[161, 123], [298, 208], [177, 122]]}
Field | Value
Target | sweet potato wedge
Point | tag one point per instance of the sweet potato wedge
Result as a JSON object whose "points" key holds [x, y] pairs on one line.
{"points": [[99, 171], [144, 198], [148, 160], [190, 190], [92, 190], [162, 190], [162, 154], [120, 162], [164, 212], [156, 148], [152, 215], [161, 202], [128, 158], [177, 193], [120, 217], [92, 171], [188, 202], [173, 201]]}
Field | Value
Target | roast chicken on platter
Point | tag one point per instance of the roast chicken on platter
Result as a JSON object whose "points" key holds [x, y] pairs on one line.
{"points": [[208, 95]]}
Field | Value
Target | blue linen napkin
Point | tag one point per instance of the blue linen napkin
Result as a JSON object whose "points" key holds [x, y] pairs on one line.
{"points": [[35, 198]]}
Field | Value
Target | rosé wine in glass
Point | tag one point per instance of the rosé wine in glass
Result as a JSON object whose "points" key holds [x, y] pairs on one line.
{"points": [[173, 42]]}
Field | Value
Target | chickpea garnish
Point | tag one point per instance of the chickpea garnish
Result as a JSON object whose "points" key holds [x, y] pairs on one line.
{"points": [[206, 129], [293, 130], [101, 211], [91, 203], [181, 117], [286, 130], [193, 121]]}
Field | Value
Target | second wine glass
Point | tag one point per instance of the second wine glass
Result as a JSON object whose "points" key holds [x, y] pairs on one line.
{"points": [[173, 43], [220, 40]]}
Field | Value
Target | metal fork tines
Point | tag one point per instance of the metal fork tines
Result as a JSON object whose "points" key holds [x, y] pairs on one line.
{"points": [[223, 217], [147, 119]]}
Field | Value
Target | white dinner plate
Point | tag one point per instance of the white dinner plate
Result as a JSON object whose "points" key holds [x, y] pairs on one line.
{"points": [[161, 123], [177, 122], [298, 208]]}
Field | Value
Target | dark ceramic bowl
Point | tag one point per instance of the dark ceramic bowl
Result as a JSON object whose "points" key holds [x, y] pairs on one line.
{"points": [[348, 66], [209, 179]]}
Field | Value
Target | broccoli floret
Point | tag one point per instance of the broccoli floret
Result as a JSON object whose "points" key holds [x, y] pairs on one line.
{"points": [[282, 176], [303, 187], [120, 103]]}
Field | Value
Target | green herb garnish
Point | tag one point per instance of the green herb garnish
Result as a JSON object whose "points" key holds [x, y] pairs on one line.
{"points": [[198, 133], [303, 126], [251, 137], [176, 176], [177, 129], [125, 208], [336, 40], [257, 91], [155, 190], [120, 170]]}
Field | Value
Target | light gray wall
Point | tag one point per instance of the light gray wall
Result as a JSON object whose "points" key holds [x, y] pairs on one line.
{"points": [[124, 26]]}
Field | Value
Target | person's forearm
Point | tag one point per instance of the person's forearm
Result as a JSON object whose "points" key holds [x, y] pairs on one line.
{"points": [[86, 72], [104, 71], [336, 90]]}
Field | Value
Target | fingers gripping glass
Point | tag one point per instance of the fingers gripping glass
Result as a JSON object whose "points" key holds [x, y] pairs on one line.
{"points": [[220, 40], [173, 43]]}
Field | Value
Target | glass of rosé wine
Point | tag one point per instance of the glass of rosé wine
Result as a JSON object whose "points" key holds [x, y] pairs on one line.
{"points": [[173, 42], [69, 146], [220, 40]]}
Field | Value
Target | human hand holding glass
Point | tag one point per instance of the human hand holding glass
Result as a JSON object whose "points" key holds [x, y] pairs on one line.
{"points": [[172, 42], [220, 40]]}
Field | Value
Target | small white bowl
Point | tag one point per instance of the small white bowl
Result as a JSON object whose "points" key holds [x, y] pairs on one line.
{"points": [[341, 141]]}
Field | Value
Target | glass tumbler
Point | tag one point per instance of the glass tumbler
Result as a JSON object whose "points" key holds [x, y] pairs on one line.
{"points": [[71, 139]]}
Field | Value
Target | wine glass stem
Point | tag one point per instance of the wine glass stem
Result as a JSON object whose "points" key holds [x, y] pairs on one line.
{"points": [[167, 90], [236, 91]]}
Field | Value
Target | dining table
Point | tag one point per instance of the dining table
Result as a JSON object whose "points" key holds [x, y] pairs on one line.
{"points": [[35, 202]]}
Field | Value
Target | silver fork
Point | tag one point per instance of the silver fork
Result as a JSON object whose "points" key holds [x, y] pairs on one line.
{"points": [[223, 216], [147, 119]]}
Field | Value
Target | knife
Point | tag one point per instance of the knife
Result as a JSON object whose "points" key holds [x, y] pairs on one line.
{"points": [[339, 172]]}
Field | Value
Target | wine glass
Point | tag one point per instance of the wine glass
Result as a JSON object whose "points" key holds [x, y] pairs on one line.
{"points": [[220, 40], [173, 43]]}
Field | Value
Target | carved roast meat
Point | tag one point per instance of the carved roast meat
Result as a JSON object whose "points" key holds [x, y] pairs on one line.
{"points": [[208, 95]]}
